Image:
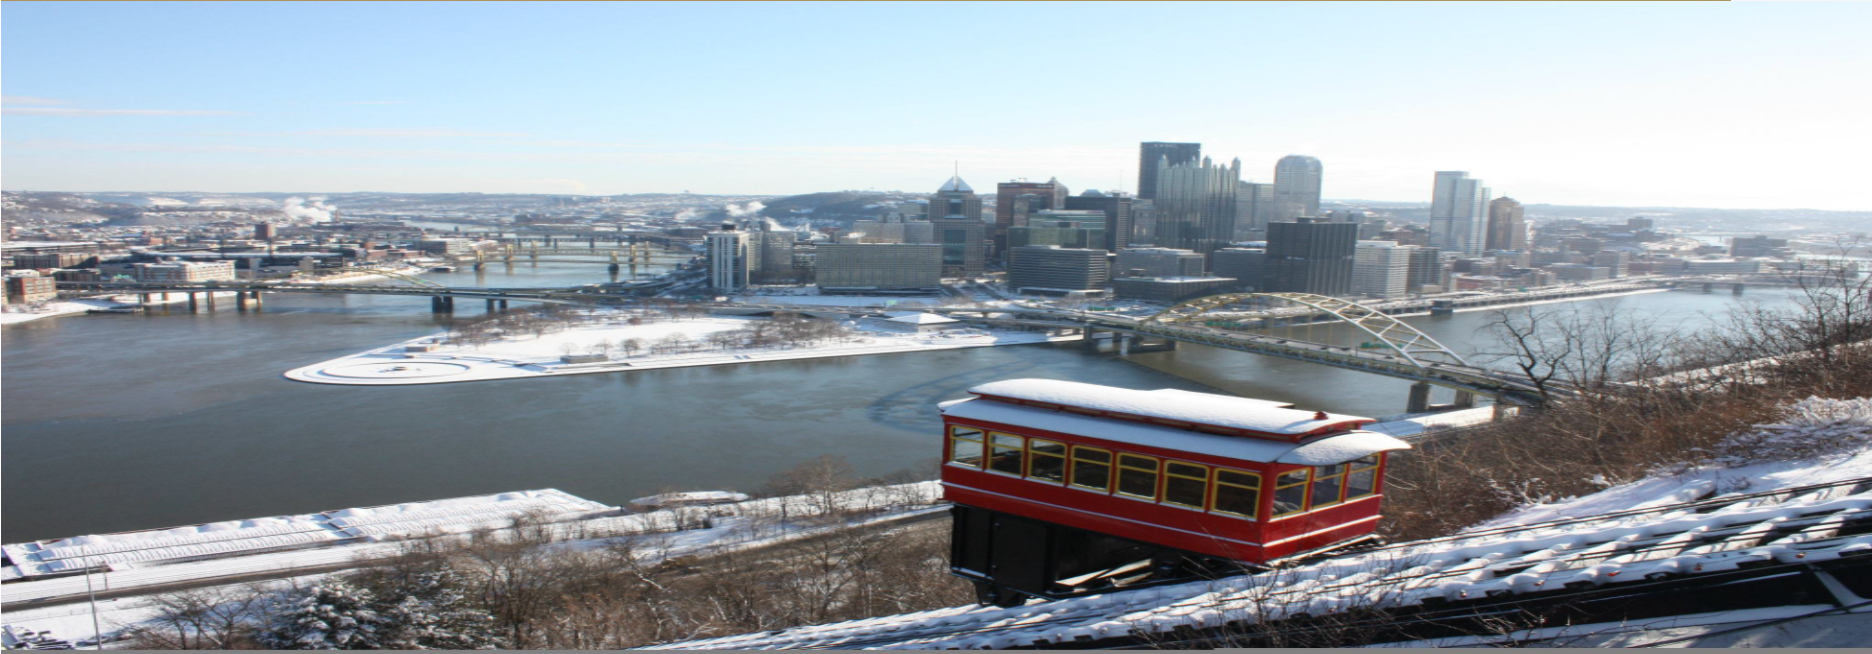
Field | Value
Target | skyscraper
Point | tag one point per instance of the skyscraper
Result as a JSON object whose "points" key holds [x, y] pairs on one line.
{"points": [[1297, 187], [729, 263], [1427, 272], [955, 198], [1014, 201], [1380, 269], [1117, 208], [1311, 257], [956, 213], [1196, 205], [1254, 208], [1458, 214], [1151, 152], [1507, 230]]}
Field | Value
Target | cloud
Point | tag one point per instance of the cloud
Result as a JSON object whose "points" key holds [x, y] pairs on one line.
{"points": [[390, 133], [68, 111], [22, 99]]}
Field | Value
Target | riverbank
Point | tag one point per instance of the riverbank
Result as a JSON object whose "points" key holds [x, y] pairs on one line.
{"points": [[82, 306], [431, 360]]}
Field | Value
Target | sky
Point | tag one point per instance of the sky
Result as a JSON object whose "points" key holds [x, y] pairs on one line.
{"points": [[1731, 105]]}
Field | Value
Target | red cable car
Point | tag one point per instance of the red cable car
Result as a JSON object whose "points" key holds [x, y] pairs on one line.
{"points": [[1063, 488]]}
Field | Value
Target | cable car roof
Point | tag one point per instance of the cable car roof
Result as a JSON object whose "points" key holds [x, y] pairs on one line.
{"points": [[1263, 416], [1336, 448]]}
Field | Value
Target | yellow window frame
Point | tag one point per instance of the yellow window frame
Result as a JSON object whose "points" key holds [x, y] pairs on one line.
{"points": [[1216, 488], [1202, 503], [988, 453], [1034, 455], [1306, 491], [1156, 471], [1377, 462], [1110, 463], [1314, 477], [980, 439]]}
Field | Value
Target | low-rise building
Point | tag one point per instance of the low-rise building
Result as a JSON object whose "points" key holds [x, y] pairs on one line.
{"points": [[1056, 270], [1159, 262], [1169, 289], [891, 267], [1722, 267], [24, 289], [183, 271]]}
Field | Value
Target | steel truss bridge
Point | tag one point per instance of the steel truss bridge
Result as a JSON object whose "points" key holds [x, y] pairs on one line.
{"points": [[1404, 352], [434, 291]]}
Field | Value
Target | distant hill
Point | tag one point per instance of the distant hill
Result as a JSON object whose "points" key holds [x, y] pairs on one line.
{"points": [[835, 206]]}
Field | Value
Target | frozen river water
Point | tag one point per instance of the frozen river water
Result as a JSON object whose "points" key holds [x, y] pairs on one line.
{"points": [[130, 421]]}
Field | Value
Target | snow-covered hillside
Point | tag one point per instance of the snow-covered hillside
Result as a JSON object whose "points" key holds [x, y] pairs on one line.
{"points": [[1794, 493]]}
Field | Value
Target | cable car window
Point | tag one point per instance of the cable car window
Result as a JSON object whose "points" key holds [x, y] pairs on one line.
{"points": [[1328, 483], [1006, 453], [1185, 484], [1237, 493], [1091, 468], [1048, 460], [1363, 480], [965, 446], [1137, 476], [1290, 493]]}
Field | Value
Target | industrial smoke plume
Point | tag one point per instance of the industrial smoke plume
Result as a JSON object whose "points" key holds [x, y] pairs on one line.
{"points": [[314, 209]]}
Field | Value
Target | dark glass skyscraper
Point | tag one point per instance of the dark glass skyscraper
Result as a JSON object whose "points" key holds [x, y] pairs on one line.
{"points": [[1311, 257], [1117, 208], [1150, 152]]}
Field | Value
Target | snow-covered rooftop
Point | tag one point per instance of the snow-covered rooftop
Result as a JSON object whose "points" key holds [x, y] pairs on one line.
{"points": [[922, 319], [1219, 410], [1325, 451]]}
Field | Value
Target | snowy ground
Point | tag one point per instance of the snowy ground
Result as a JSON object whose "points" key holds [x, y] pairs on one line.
{"points": [[525, 356], [657, 535], [78, 307], [1779, 456]]}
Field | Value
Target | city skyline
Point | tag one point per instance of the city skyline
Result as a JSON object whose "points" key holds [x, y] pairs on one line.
{"points": [[1584, 110]]}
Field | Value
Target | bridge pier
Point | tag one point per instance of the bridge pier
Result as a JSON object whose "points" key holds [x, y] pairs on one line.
{"points": [[210, 296], [1124, 345], [240, 300], [1419, 398], [503, 305], [256, 300], [441, 304], [1464, 400], [1737, 289], [193, 302], [1709, 286]]}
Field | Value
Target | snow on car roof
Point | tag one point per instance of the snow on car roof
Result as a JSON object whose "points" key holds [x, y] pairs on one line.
{"points": [[1219, 410], [1350, 445]]}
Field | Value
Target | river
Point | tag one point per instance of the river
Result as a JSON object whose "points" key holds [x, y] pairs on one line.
{"points": [[121, 422]]}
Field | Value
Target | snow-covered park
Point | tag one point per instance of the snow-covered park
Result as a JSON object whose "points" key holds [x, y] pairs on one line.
{"points": [[616, 341]]}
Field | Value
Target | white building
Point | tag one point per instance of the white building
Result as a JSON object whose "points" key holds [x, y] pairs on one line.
{"points": [[183, 271], [1380, 269], [1459, 214], [729, 262]]}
